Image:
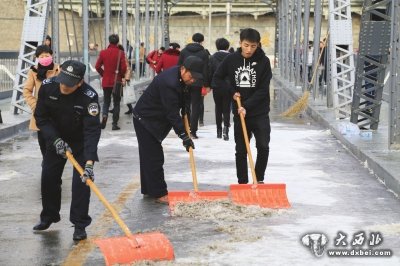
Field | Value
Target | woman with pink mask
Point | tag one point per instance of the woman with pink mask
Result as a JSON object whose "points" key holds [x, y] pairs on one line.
{"points": [[44, 69]]}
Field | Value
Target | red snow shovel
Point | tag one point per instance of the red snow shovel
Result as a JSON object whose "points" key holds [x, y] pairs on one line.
{"points": [[130, 248], [264, 195], [191, 196]]}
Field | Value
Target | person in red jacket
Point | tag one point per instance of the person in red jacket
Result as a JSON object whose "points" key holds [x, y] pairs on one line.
{"points": [[154, 56], [111, 66], [169, 58]]}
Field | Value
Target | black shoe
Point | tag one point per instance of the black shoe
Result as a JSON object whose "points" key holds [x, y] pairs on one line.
{"points": [[128, 112], [104, 122], [111, 111], [193, 135], [226, 133], [79, 234], [219, 133], [115, 127], [42, 225]]}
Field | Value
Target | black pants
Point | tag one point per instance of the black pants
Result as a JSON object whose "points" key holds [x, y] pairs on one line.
{"points": [[260, 127], [195, 95], [42, 143], [116, 95], [201, 114], [151, 156], [53, 167], [222, 109]]}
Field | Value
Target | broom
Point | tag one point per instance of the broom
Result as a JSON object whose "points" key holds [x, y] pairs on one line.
{"points": [[301, 103]]}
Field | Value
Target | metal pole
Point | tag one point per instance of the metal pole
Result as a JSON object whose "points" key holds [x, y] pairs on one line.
{"points": [[394, 119], [228, 17], [298, 51], [107, 21], [137, 39], [317, 37], [209, 23], [156, 24], [291, 41], [305, 44], [55, 31], [281, 38], [124, 28], [162, 10], [85, 16], [147, 26]]}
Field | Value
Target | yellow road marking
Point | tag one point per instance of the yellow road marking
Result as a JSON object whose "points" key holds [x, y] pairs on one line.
{"points": [[80, 252]]}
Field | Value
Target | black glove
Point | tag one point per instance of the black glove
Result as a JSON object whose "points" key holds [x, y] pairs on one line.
{"points": [[186, 141], [88, 173], [61, 147]]}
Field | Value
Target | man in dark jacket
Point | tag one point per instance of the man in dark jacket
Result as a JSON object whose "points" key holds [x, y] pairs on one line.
{"points": [[157, 111], [196, 49], [222, 99], [111, 66], [67, 114], [249, 73]]}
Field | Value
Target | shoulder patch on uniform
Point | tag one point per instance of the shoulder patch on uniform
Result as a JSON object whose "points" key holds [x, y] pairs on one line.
{"points": [[93, 109], [89, 93], [46, 81]]}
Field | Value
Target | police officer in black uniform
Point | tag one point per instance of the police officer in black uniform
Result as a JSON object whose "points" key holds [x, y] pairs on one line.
{"points": [[67, 114], [157, 111]]}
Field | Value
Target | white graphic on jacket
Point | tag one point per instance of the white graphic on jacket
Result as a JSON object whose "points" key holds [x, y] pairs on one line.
{"points": [[245, 76]]}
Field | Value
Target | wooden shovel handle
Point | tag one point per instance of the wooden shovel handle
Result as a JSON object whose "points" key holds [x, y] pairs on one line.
{"points": [[94, 188], [246, 141], [192, 163]]}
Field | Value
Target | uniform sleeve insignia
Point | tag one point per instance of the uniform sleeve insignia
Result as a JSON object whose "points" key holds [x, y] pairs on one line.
{"points": [[89, 93], [46, 81], [93, 109]]}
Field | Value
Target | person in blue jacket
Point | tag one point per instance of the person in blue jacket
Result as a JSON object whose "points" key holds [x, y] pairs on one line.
{"points": [[157, 111]]}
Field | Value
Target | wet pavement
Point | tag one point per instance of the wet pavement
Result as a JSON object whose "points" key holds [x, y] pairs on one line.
{"points": [[331, 192]]}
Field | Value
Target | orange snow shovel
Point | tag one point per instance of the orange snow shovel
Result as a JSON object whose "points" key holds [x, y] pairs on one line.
{"points": [[191, 196], [264, 195], [130, 248]]}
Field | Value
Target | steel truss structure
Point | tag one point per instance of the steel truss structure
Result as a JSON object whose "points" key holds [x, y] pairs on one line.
{"points": [[372, 63], [34, 31], [394, 113], [341, 56]]}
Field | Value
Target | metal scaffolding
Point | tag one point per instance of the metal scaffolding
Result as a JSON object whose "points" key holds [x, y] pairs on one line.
{"points": [[372, 63], [341, 56], [34, 32]]}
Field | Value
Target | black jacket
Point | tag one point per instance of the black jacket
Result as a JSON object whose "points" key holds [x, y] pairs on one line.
{"points": [[196, 49], [158, 109], [250, 77], [215, 60], [73, 117]]}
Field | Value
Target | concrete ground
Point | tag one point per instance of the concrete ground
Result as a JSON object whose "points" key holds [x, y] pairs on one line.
{"points": [[331, 192]]}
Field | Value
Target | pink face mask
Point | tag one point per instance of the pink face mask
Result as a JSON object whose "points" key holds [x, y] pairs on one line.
{"points": [[46, 61]]}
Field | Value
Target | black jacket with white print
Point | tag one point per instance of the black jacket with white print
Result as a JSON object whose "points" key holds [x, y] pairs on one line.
{"points": [[248, 76]]}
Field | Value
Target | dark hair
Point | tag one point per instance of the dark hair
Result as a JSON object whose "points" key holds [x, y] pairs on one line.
{"points": [[48, 37], [162, 48], [231, 50], [222, 44], [113, 38], [43, 49], [250, 35], [174, 45], [198, 37], [121, 47]]}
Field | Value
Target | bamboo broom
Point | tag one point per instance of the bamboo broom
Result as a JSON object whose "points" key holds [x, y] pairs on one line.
{"points": [[301, 103]]}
